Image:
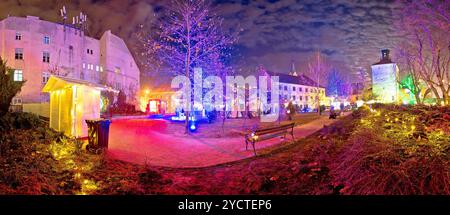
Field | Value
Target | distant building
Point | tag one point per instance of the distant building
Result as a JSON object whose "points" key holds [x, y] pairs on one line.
{"points": [[385, 87], [35, 49], [300, 90]]}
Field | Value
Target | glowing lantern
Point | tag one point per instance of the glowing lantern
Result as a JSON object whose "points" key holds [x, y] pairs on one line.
{"points": [[192, 126]]}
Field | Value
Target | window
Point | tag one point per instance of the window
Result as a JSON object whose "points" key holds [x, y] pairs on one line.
{"points": [[281, 87], [19, 54], [71, 55], [300, 89], [18, 36], [117, 70], [45, 77], [84, 66], [306, 89], [293, 88], [46, 57], [92, 52], [101, 68], [285, 87], [293, 98], [97, 68], [16, 101], [301, 98], [89, 51], [46, 40], [18, 75]]}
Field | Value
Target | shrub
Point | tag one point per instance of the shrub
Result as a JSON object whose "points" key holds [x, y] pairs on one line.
{"points": [[8, 87], [19, 121], [385, 155]]}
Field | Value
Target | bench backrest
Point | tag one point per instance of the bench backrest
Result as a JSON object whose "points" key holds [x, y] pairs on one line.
{"points": [[274, 129]]}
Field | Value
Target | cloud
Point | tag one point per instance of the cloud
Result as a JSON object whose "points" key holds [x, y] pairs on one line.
{"points": [[349, 33]]}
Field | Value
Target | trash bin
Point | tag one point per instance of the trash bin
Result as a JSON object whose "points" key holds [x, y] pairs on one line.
{"points": [[98, 133]]}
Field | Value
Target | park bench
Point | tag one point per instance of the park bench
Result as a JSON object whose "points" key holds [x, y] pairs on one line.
{"points": [[259, 135]]}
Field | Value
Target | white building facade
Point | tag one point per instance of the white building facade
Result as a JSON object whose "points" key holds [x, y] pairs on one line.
{"points": [[300, 90], [36, 49], [385, 87]]}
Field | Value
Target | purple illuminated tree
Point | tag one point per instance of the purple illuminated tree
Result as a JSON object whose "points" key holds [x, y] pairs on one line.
{"points": [[335, 83], [427, 45], [188, 35]]}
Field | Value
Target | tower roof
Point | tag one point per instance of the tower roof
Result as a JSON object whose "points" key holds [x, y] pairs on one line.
{"points": [[385, 58]]}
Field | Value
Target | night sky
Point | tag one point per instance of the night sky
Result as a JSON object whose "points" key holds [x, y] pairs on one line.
{"points": [[349, 33]]}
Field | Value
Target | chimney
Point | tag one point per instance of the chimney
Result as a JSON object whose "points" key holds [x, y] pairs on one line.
{"points": [[385, 54]]}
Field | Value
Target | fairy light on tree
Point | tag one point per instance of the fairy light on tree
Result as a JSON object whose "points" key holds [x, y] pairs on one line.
{"points": [[188, 35]]}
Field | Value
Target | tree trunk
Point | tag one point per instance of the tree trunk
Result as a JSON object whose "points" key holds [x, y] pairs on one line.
{"points": [[417, 96], [188, 63], [436, 94]]}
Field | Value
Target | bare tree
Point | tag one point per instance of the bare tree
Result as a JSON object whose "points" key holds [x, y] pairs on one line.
{"points": [[410, 69], [189, 35], [428, 52], [318, 71]]}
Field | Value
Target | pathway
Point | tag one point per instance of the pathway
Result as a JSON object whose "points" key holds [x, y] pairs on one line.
{"points": [[143, 141]]}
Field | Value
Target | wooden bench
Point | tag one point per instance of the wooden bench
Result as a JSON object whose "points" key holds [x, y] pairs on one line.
{"points": [[268, 133]]}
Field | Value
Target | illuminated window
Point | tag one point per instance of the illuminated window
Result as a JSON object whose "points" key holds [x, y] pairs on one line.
{"points": [[45, 77], [46, 40], [46, 57], [101, 68], [18, 36], [97, 68], [84, 66], [18, 75], [19, 54]]}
